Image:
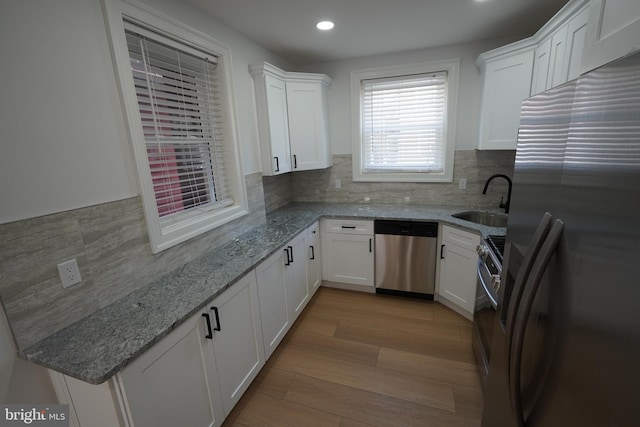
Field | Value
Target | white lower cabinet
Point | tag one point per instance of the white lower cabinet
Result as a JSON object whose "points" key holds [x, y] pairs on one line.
{"points": [[314, 270], [176, 381], [286, 283], [192, 377], [347, 252], [295, 276], [272, 294], [237, 342], [458, 270]]}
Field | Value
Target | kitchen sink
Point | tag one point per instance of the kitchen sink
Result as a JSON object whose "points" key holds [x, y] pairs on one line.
{"points": [[491, 219]]}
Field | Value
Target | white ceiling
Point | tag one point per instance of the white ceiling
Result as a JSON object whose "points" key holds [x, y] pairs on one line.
{"points": [[370, 27]]}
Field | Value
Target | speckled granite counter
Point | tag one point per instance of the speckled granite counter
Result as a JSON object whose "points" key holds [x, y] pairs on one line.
{"points": [[97, 347]]}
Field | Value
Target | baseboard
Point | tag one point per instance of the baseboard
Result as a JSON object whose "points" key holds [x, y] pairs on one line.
{"points": [[349, 286]]}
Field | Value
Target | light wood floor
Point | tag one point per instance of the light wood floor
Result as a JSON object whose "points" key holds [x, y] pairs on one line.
{"points": [[357, 359]]}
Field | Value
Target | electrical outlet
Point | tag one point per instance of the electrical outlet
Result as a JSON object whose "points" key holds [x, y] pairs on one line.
{"points": [[462, 184], [407, 199], [69, 273], [338, 183]]}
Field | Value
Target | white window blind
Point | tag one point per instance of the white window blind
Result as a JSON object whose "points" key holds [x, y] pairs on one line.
{"points": [[404, 123], [178, 93]]}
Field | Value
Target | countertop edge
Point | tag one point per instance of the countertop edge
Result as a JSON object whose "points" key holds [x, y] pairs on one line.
{"points": [[61, 351]]}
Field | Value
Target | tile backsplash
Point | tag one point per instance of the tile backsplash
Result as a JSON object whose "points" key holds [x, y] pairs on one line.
{"points": [[473, 165], [111, 246]]}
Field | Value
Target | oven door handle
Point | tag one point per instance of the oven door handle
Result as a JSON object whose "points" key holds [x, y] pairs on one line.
{"points": [[494, 302]]}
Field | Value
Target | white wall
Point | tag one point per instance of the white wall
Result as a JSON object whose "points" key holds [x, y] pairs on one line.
{"points": [[20, 381], [63, 136], [469, 89]]}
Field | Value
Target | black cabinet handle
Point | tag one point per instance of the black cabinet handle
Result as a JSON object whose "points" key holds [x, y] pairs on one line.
{"points": [[210, 333], [277, 165], [287, 262], [218, 325], [352, 227], [313, 253], [291, 252], [295, 162], [442, 251], [370, 245]]}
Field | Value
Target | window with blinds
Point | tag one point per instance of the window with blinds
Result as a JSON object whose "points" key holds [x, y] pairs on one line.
{"points": [[404, 123], [178, 94]]}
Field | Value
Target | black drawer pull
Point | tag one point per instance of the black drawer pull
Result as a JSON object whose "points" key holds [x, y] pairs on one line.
{"points": [[442, 251], [218, 325], [370, 245], [313, 253], [295, 162], [291, 252], [352, 227], [210, 333], [286, 261], [277, 165]]}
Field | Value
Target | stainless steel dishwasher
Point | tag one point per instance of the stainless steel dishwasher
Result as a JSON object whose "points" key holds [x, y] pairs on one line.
{"points": [[405, 258]]}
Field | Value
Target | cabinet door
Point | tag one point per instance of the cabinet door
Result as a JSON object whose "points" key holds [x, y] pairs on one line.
{"points": [[576, 33], [348, 258], [308, 131], [541, 67], [458, 268], [237, 340], [273, 301], [613, 31], [278, 126], [175, 382], [314, 264], [507, 82], [557, 75], [295, 276]]}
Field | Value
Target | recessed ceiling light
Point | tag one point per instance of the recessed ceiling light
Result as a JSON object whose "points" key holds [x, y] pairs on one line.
{"points": [[324, 25]]}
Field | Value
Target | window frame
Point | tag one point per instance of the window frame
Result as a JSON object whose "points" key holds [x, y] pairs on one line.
{"points": [[451, 67], [195, 221]]}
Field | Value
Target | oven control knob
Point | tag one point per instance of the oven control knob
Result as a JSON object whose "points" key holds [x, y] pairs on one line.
{"points": [[483, 251], [495, 281]]}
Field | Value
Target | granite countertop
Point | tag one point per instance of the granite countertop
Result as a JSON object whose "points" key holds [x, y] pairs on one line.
{"points": [[100, 345]]}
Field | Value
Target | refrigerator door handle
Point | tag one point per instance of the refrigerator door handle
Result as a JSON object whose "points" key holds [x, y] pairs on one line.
{"points": [[523, 274], [530, 290]]}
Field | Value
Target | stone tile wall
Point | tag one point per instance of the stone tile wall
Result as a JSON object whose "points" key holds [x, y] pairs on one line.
{"points": [[111, 246], [277, 190], [476, 166]]}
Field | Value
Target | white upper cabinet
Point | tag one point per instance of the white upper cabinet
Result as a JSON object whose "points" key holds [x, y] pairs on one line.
{"points": [[514, 72], [292, 119], [556, 75], [274, 123], [507, 82], [576, 36], [308, 124], [613, 31], [541, 67]]}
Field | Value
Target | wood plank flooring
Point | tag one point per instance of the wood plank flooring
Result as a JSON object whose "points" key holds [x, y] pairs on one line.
{"points": [[356, 359]]}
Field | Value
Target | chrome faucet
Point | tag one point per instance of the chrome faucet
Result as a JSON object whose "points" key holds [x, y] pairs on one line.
{"points": [[503, 205]]}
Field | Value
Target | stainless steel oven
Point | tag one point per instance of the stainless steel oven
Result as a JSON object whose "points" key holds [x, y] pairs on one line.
{"points": [[490, 253]]}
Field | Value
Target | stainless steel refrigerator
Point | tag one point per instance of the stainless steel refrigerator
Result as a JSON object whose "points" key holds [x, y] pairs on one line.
{"points": [[566, 351]]}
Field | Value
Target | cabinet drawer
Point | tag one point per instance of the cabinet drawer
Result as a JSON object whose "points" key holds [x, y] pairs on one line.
{"points": [[348, 226], [464, 239]]}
